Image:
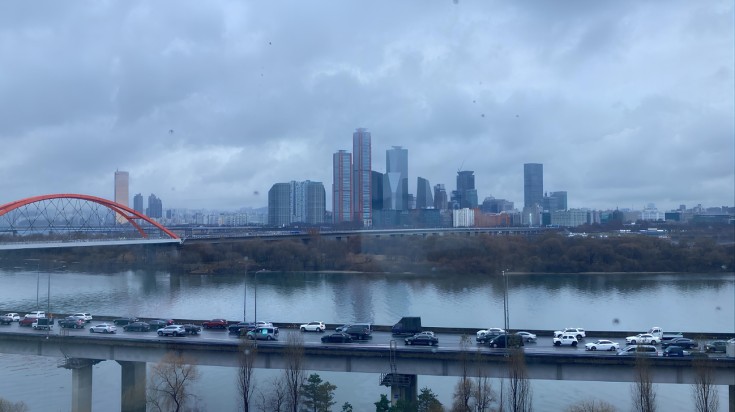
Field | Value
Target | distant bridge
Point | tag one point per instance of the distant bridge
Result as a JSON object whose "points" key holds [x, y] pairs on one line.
{"points": [[70, 220]]}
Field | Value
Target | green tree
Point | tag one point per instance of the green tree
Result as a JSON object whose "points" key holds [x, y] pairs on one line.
{"points": [[346, 407], [318, 396], [383, 405], [427, 402]]}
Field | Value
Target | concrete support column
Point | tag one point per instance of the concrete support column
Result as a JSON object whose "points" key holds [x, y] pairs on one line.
{"points": [[132, 386], [405, 388], [731, 398], [81, 389]]}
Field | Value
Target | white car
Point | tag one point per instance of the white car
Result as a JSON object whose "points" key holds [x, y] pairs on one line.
{"points": [[578, 333], [36, 314], [426, 332], [527, 336], [172, 330], [487, 334], [14, 316], [103, 328], [313, 327], [83, 316], [642, 338], [602, 344], [566, 340]]}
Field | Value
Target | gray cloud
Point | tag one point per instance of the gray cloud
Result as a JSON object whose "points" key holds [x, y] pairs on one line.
{"points": [[205, 104]]}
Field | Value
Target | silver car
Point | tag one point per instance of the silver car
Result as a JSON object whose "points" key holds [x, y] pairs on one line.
{"points": [[172, 330]]}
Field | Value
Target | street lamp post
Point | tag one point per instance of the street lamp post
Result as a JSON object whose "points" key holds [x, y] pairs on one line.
{"points": [[505, 301], [245, 293]]}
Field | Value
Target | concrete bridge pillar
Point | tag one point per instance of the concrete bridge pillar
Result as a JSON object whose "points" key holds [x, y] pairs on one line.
{"points": [[731, 398], [132, 386], [405, 388], [81, 389]]}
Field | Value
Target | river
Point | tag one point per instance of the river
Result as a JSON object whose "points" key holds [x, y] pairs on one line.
{"points": [[626, 302]]}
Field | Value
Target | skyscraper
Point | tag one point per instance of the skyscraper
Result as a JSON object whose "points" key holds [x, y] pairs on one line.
{"points": [[440, 197], [466, 189], [424, 199], [555, 201], [342, 187], [377, 190], [396, 170], [361, 177], [279, 204], [155, 207], [307, 202], [122, 195], [533, 184], [138, 203]]}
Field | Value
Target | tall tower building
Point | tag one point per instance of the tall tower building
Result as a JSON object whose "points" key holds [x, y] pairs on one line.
{"points": [[424, 199], [279, 204], [396, 170], [342, 187], [122, 195], [138, 203], [307, 202], [441, 201], [155, 207], [467, 194], [533, 184], [361, 177]]}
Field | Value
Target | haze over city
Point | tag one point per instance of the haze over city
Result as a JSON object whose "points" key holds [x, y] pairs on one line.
{"points": [[624, 103]]}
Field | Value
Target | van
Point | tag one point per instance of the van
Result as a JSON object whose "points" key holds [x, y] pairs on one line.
{"points": [[641, 350], [360, 331], [408, 325], [263, 333], [506, 341]]}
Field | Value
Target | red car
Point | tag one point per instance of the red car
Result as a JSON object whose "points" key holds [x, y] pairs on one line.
{"points": [[27, 321], [215, 324]]}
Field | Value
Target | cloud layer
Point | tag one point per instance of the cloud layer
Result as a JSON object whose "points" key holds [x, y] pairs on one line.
{"points": [[207, 104]]}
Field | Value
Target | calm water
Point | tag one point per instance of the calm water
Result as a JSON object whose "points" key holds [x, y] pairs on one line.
{"points": [[693, 302]]}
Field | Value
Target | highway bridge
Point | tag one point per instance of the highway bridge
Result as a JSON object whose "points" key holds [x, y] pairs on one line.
{"points": [[80, 350]]}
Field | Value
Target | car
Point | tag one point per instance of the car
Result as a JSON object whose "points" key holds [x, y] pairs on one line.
{"points": [[337, 337], [674, 350], [527, 336], [215, 324], [71, 322], [27, 321], [14, 316], [192, 329], [566, 339], [86, 317], [172, 330], [716, 346], [125, 321], [426, 332], [313, 327], [36, 314], [43, 324], [642, 338], [342, 328], [484, 335], [640, 350], [103, 328], [578, 333], [421, 339], [6, 320], [263, 333], [602, 344], [160, 323], [505, 341], [685, 343], [238, 328], [360, 331], [137, 327]]}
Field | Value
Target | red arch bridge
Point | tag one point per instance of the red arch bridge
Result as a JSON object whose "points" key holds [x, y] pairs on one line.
{"points": [[72, 220]]}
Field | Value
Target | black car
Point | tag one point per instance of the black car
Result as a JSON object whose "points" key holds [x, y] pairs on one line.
{"points": [[506, 341], [675, 351], [160, 323], [71, 322], [421, 339], [339, 337], [241, 328], [359, 331], [124, 321], [682, 342], [137, 327], [716, 346], [192, 329]]}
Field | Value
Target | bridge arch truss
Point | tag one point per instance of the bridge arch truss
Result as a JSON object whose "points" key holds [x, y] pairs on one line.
{"points": [[75, 217]]}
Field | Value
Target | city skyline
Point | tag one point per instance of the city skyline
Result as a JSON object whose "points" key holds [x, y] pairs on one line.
{"points": [[625, 103]]}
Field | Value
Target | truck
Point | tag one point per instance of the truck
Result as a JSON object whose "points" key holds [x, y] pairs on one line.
{"points": [[408, 325], [659, 333], [43, 324]]}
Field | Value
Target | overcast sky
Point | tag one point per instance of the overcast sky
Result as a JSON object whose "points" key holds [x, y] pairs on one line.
{"points": [[208, 104]]}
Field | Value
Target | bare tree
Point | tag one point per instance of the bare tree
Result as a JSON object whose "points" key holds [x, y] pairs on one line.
{"points": [[591, 406], [463, 390], [482, 392], [275, 400], [519, 386], [294, 374], [168, 387], [8, 406], [245, 382], [704, 391], [644, 396]]}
